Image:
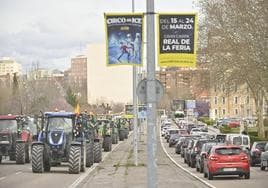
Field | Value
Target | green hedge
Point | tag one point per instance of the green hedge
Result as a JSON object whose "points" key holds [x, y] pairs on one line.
{"points": [[206, 120]]}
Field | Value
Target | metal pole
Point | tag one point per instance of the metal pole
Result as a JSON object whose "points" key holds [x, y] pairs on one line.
{"points": [[151, 97], [135, 141]]}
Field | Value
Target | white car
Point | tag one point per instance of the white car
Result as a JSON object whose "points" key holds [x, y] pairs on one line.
{"points": [[195, 131]]}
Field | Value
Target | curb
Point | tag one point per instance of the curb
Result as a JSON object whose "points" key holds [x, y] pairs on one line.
{"points": [[93, 167], [184, 169]]}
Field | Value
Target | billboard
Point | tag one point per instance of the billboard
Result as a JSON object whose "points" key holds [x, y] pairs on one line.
{"points": [[190, 104], [177, 40], [124, 39]]}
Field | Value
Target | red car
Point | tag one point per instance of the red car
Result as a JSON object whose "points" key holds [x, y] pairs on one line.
{"points": [[226, 160]]}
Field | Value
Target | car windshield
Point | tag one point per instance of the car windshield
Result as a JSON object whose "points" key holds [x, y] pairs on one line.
{"points": [[60, 123], [228, 151], [8, 125], [245, 141]]}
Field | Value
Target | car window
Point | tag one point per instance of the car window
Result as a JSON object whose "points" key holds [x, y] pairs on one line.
{"points": [[260, 146], [245, 141], [237, 140], [228, 151]]}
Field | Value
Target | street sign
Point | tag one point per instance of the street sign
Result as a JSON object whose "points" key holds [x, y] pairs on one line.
{"points": [[141, 90]]}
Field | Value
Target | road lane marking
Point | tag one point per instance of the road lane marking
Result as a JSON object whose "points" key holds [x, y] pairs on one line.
{"points": [[2, 178], [184, 169], [84, 175], [18, 172]]}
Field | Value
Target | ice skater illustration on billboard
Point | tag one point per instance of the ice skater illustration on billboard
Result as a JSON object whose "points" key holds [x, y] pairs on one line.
{"points": [[124, 42]]}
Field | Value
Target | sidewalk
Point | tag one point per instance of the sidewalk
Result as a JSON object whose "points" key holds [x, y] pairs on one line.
{"points": [[118, 170]]}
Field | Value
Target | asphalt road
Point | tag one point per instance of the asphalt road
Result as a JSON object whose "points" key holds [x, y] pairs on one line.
{"points": [[258, 179]]}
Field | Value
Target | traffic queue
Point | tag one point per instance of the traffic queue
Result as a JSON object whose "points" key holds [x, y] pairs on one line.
{"points": [[213, 154], [53, 138]]}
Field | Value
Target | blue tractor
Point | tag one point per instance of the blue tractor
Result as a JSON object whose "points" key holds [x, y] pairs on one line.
{"points": [[60, 140]]}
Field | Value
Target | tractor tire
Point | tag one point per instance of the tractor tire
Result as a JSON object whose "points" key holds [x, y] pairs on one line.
{"points": [[97, 152], [27, 153], [114, 138], [89, 154], [75, 160], [83, 158], [107, 143], [117, 138], [126, 133], [37, 158], [20, 153], [47, 166], [121, 135], [0, 159]]}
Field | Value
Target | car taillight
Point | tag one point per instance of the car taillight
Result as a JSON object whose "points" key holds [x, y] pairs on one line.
{"points": [[213, 158]]}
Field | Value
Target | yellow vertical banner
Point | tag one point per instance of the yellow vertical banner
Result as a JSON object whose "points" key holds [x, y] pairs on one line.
{"points": [[177, 40], [124, 39], [77, 109]]}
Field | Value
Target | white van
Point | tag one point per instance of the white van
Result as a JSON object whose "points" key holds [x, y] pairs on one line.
{"points": [[238, 139]]}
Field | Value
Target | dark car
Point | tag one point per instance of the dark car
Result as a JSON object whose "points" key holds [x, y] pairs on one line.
{"points": [[195, 151], [187, 151], [173, 139], [203, 152], [184, 145], [179, 144], [264, 158], [255, 152]]}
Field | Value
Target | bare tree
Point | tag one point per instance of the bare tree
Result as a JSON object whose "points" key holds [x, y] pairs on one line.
{"points": [[235, 39]]}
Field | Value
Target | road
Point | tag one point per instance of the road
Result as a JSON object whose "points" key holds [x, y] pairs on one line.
{"points": [[258, 179]]}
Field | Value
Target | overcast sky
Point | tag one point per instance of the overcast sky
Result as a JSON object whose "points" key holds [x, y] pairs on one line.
{"points": [[52, 31]]}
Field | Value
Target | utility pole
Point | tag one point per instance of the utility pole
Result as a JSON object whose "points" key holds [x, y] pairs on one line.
{"points": [[151, 97], [135, 111]]}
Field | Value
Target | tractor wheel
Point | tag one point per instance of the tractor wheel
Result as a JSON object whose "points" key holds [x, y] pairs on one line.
{"points": [[20, 153], [27, 153], [107, 142], [37, 158], [0, 159], [121, 135], [97, 152], [126, 134], [114, 138], [83, 158], [117, 138], [74, 159], [89, 154], [47, 165]]}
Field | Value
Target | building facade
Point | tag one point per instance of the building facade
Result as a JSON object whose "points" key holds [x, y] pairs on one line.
{"points": [[9, 66], [236, 101]]}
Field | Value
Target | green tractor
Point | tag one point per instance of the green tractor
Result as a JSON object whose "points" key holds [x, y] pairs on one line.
{"points": [[115, 134], [122, 129], [104, 127]]}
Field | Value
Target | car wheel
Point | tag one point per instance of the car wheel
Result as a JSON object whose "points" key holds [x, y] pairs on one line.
{"points": [[205, 175], [262, 167], [247, 176], [240, 175], [197, 169], [210, 176]]}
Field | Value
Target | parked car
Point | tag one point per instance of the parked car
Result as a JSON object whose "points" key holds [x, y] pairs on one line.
{"points": [[264, 158], [187, 151], [203, 152], [255, 152], [234, 123], [226, 160]]}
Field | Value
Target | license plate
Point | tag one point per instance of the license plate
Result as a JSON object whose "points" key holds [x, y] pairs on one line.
{"points": [[229, 169]]}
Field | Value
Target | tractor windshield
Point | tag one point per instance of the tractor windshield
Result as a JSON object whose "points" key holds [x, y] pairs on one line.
{"points": [[60, 123], [8, 125]]}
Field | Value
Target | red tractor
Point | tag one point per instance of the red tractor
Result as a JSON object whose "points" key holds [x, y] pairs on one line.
{"points": [[15, 138]]}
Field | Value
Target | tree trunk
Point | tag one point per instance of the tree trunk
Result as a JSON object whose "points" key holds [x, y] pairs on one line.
{"points": [[259, 111]]}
